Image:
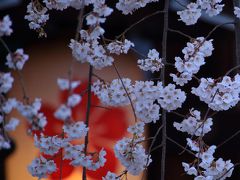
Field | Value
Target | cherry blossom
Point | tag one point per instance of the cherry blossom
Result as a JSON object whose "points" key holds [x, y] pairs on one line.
{"points": [[17, 59], [5, 26], [153, 63], [37, 17]]}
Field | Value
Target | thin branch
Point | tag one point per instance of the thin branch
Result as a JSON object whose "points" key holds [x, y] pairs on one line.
{"points": [[138, 22], [231, 70], [164, 113], [98, 77], [102, 107], [77, 34], [84, 175], [120, 77], [19, 73], [156, 147], [236, 3], [216, 27], [181, 4], [5, 46], [180, 32], [235, 165], [150, 148], [229, 139], [178, 114], [181, 146]]}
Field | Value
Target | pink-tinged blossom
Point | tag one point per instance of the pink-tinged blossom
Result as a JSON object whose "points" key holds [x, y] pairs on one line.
{"points": [[132, 155], [37, 17], [119, 47], [181, 78], [210, 168], [152, 63], [194, 125], [17, 59]]}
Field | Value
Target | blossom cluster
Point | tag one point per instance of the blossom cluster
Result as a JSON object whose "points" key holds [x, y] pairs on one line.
{"points": [[41, 167], [143, 95], [5, 26], [219, 94], [193, 12], [131, 153], [237, 12], [194, 125], [152, 63], [119, 47], [194, 57], [14, 61], [207, 167], [128, 7], [71, 130], [17, 59], [37, 17]]}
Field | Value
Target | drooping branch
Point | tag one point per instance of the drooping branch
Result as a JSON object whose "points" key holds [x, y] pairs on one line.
{"points": [[237, 35], [90, 73], [164, 113]]}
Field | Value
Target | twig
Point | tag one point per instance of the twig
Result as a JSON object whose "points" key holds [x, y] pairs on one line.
{"points": [[98, 77], [228, 139], [138, 22], [79, 27], [150, 148], [106, 108], [5, 46], [235, 165], [178, 114], [180, 32], [181, 4], [156, 147], [216, 27], [179, 145], [231, 70]]}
